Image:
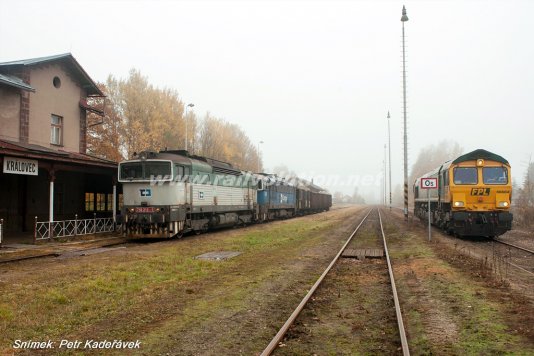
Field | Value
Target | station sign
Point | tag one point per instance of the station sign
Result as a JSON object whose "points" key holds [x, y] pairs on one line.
{"points": [[23, 166], [429, 183]]}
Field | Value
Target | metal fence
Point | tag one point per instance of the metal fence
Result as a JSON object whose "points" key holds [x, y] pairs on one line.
{"points": [[53, 229]]}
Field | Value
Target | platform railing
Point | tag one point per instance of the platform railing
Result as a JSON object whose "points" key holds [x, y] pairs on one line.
{"points": [[45, 230]]}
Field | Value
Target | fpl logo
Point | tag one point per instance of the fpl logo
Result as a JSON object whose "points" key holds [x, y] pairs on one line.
{"points": [[480, 191]]}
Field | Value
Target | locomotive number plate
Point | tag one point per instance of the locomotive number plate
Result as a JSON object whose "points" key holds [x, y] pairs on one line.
{"points": [[144, 209], [480, 191]]}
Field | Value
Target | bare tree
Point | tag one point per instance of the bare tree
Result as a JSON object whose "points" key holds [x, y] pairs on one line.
{"points": [[224, 141], [139, 116], [105, 135], [431, 157], [524, 207], [357, 198]]}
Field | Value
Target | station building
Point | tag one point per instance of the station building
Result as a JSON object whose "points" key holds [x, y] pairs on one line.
{"points": [[46, 172]]}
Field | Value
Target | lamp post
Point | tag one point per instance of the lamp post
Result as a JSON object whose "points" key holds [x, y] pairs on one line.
{"points": [[404, 18], [186, 120], [259, 156]]}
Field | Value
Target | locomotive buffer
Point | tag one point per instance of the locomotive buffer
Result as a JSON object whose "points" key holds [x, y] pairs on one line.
{"points": [[429, 183]]}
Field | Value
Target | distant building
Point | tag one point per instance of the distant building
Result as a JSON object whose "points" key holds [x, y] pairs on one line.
{"points": [[43, 126]]}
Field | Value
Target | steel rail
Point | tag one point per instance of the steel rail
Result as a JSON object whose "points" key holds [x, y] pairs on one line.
{"points": [[402, 332], [518, 247], [283, 330], [521, 268]]}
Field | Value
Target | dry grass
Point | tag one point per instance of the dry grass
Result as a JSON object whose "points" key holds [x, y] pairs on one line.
{"points": [[453, 303], [523, 216], [145, 293]]}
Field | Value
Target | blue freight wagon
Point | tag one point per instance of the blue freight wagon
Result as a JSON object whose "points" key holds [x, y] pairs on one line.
{"points": [[276, 198]]}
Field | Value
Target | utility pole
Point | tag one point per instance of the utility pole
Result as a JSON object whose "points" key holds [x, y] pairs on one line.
{"points": [[259, 156], [385, 172], [404, 18], [389, 144], [186, 120]]}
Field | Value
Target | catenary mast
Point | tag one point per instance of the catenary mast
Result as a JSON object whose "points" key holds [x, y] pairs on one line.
{"points": [[404, 18]]}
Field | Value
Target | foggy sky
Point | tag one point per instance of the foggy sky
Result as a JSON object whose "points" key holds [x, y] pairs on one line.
{"points": [[313, 80]]}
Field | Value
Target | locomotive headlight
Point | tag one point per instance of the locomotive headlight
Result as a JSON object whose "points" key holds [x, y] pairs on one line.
{"points": [[131, 210], [458, 204], [503, 204]]}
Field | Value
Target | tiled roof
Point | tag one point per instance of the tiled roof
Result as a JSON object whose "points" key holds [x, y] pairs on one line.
{"points": [[39, 60], [68, 59]]}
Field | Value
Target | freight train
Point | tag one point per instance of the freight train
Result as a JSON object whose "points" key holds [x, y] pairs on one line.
{"points": [[172, 192], [473, 196]]}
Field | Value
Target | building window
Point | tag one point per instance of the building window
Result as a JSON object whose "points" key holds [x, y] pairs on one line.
{"points": [[110, 202], [57, 82], [100, 202], [56, 130], [89, 202]]}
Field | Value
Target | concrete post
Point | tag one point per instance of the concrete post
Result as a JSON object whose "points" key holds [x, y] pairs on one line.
{"points": [[114, 205], [51, 199]]}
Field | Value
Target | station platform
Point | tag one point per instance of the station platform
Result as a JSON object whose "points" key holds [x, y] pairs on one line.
{"points": [[16, 248]]}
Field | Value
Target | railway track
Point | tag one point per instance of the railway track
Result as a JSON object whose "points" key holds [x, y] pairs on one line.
{"points": [[277, 339], [526, 269], [515, 246]]}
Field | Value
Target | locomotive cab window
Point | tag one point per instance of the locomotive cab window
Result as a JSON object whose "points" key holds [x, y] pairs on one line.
{"points": [[131, 170], [445, 178], [495, 175], [145, 170], [157, 169], [465, 175], [179, 173]]}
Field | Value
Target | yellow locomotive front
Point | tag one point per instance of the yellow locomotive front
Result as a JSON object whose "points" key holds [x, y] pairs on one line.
{"points": [[473, 197], [480, 193]]}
